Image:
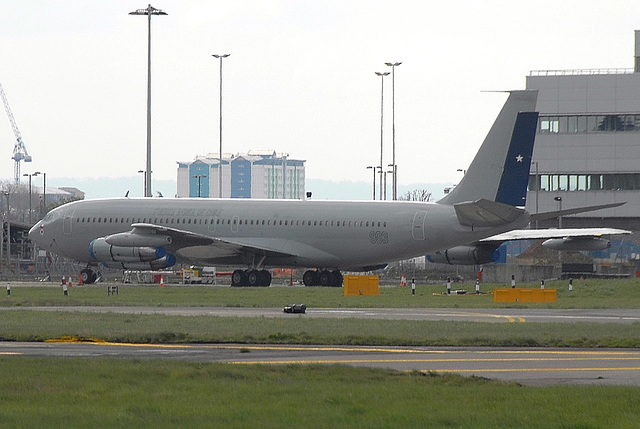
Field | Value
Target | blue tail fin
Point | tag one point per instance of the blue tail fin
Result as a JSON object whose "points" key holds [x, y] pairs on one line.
{"points": [[512, 189], [500, 170]]}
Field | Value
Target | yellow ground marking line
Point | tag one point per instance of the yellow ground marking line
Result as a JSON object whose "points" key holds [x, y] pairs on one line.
{"points": [[532, 369], [309, 361], [511, 319], [352, 349], [10, 353]]}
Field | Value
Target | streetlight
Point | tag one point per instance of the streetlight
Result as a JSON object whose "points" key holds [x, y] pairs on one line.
{"points": [[150, 10], [393, 114], [199, 177], [30, 175], [6, 194], [44, 195], [559, 200], [220, 56], [374, 180], [382, 75], [144, 182]]}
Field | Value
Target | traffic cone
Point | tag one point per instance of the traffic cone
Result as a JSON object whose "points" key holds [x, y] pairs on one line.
{"points": [[161, 281], [80, 282], [403, 281], [70, 282]]}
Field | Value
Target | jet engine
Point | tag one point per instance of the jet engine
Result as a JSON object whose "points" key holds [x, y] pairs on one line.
{"points": [[466, 255], [577, 243], [128, 239], [158, 264], [130, 258], [102, 251]]}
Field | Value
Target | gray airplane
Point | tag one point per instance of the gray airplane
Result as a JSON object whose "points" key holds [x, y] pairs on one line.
{"points": [[155, 233]]}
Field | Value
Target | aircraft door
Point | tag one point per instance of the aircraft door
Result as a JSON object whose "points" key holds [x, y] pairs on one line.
{"points": [[212, 223], [417, 230], [234, 223], [67, 221]]}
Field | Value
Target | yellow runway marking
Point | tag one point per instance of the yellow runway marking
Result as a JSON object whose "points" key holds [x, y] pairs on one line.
{"points": [[533, 369], [309, 361], [511, 319], [10, 353]]}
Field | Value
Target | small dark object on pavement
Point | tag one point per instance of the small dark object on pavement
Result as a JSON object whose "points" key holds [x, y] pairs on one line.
{"points": [[295, 308]]}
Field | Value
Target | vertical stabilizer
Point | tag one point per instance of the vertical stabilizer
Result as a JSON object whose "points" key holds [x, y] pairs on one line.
{"points": [[500, 170]]}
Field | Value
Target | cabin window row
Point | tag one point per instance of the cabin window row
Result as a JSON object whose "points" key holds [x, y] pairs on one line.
{"points": [[235, 221]]}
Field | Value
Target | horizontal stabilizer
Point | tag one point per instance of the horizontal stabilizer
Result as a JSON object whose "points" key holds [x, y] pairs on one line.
{"points": [[551, 215], [486, 213]]}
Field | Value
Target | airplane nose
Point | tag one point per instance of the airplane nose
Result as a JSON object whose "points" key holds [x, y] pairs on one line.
{"points": [[34, 232]]}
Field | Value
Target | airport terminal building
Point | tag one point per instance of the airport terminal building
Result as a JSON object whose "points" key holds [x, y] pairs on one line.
{"points": [[587, 149], [255, 174]]}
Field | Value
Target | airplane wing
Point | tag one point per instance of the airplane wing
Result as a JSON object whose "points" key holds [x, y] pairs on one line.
{"points": [[145, 234], [536, 234]]}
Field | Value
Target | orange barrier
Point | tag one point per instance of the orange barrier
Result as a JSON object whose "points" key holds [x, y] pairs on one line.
{"points": [[361, 285], [525, 295]]}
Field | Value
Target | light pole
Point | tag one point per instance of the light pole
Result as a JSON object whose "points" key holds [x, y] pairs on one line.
{"points": [[44, 195], [374, 180], [30, 199], [144, 182], [199, 177], [559, 200], [150, 10], [382, 75], [6, 194], [393, 114], [220, 56]]}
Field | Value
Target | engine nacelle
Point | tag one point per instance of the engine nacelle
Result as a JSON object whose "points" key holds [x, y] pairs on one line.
{"points": [[168, 261], [128, 239], [577, 243], [466, 255], [100, 250]]}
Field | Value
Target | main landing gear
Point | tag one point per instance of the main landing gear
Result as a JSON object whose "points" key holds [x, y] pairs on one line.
{"points": [[251, 278], [88, 276], [322, 278]]}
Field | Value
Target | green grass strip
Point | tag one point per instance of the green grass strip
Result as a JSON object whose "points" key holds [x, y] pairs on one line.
{"points": [[107, 393], [29, 325]]}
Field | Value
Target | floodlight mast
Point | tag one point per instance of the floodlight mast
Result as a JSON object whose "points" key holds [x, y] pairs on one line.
{"points": [[150, 10]]}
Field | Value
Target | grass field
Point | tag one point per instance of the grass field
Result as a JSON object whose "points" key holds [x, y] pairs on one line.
{"points": [[586, 294], [108, 393], [56, 393]]}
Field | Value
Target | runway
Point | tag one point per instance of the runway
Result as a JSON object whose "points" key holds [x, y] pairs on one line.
{"points": [[530, 366], [498, 315]]}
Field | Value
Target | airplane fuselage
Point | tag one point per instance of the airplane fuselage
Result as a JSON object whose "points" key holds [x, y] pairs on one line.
{"points": [[349, 235]]}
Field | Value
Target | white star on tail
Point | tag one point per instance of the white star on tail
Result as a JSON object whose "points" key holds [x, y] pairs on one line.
{"points": [[519, 158]]}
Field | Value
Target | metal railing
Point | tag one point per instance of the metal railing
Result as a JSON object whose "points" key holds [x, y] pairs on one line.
{"points": [[581, 72]]}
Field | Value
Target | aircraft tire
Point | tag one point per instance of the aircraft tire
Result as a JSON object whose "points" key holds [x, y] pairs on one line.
{"points": [[265, 278], [310, 278], [253, 278], [337, 278], [325, 278], [88, 276], [238, 278]]}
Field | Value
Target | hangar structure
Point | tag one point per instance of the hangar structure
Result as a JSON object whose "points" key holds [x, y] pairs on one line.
{"points": [[587, 149], [255, 174]]}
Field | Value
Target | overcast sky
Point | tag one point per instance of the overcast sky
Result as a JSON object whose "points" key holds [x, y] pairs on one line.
{"points": [[300, 78]]}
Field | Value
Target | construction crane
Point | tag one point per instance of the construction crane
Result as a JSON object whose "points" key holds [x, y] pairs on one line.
{"points": [[20, 152]]}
